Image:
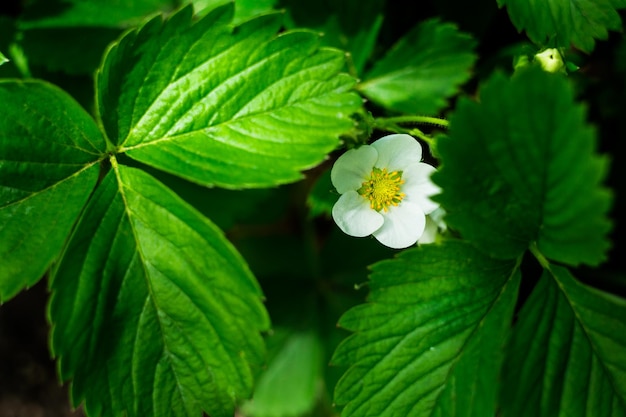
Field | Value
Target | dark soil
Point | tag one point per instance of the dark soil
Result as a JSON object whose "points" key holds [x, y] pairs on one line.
{"points": [[29, 386]]}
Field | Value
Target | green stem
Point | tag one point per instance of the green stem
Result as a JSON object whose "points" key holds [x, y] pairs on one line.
{"points": [[543, 261], [392, 124], [386, 121], [19, 60], [350, 64], [421, 135]]}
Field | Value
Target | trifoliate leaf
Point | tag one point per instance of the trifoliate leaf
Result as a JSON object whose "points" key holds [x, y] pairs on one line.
{"points": [[519, 167], [560, 23], [567, 356], [429, 340], [217, 105], [154, 313], [49, 149], [422, 70]]}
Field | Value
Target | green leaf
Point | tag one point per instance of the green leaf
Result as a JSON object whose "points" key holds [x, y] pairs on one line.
{"points": [[351, 25], [429, 341], [3, 59], [71, 36], [322, 196], [422, 70], [217, 105], [70, 50], [244, 9], [559, 23], [519, 167], [567, 356], [164, 315], [18, 64], [49, 149], [290, 385], [225, 208], [93, 13]]}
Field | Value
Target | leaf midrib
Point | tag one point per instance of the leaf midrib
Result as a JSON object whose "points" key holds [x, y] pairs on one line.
{"points": [[234, 76], [457, 357], [587, 332], [52, 186], [152, 300], [479, 325]]}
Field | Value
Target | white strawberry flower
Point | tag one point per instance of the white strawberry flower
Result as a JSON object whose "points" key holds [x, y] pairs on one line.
{"points": [[385, 191]]}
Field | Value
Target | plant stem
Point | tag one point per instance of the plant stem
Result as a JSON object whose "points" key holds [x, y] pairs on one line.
{"points": [[386, 121], [421, 135], [392, 124], [539, 256]]}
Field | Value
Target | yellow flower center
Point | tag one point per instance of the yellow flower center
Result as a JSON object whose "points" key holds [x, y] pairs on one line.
{"points": [[382, 189]]}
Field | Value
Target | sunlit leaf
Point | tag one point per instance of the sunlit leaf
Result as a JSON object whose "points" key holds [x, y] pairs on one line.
{"points": [[3, 59], [520, 167], [244, 9], [154, 313], [49, 149], [568, 353], [223, 105], [565, 22], [422, 70], [429, 341]]}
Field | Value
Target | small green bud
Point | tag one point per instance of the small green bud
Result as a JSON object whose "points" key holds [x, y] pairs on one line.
{"points": [[550, 60]]}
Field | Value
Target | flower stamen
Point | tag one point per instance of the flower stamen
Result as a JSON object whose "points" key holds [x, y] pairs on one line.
{"points": [[382, 189]]}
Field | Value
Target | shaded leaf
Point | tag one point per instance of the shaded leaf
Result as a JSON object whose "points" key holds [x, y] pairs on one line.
{"points": [[322, 196], [225, 208], [290, 384], [567, 356], [429, 341], [93, 13], [72, 35], [49, 150], [351, 25], [519, 167], [74, 50], [560, 23], [164, 317], [217, 105], [422, 70]]}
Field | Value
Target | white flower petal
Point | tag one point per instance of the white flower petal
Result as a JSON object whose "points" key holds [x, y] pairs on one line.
{"points": [[398, 151], [352, 168], [355, 217], [430, 232], [403, 226], [438, 216], [418, 186]]}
